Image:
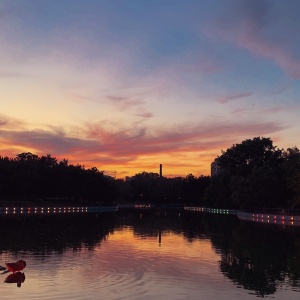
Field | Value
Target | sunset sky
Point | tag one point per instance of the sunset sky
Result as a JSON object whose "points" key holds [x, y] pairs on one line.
{"points": [[126, 85]]}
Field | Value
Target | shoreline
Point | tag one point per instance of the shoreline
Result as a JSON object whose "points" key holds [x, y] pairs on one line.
{"points": [[271, 218]]}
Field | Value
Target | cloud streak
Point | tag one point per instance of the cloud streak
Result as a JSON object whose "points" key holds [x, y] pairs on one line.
{"points": [[101, 145], [251, 28], [124, 103], [226, 99]]}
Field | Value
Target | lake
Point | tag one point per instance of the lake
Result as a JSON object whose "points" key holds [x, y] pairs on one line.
{"points": [[149, 254]]}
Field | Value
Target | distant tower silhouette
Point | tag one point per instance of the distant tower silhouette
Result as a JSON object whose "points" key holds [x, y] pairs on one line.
{"points": [[160, 170]]}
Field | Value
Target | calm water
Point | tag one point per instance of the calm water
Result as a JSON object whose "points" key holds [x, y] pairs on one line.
{"points": [[149, 255]]}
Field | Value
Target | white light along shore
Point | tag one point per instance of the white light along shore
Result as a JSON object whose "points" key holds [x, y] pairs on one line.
{"points": [[55, 210], [278, 219], [212, 210]]}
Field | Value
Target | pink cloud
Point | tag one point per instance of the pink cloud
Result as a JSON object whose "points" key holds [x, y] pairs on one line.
{"points": [[225, 99], [145, 115], [255, 27], [248, 39], [124, 103], [280, 91], [272, 110], [46, 141], [130, 143], [185, 138], [267, 110], [10, 123], [104, 144], [204, 64], [3, 122]]}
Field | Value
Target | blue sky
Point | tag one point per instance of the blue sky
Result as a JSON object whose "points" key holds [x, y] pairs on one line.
{"points": [[127, 85]]}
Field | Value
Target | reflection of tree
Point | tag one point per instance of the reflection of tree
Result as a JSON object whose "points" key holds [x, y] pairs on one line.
{"points": [[151, 223], [45, 233], [259, 258], [254, 256], [243, 272]]}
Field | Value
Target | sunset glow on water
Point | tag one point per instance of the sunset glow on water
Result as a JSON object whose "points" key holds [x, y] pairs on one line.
{"points": [[139, 255]]}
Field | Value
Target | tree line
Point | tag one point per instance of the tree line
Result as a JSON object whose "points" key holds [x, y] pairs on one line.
{"points": [[32, 178], [29, 178], [249, 175]]}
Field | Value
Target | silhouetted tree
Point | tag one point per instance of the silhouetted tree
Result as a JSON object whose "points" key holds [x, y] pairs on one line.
{"points": [[29, 177], [242, 158], [291, 169], [143, 186], [218, 193], [254, 175], [194, 189]]}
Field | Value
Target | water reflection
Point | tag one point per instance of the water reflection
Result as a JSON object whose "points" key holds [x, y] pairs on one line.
{"points": [[257, 257], [261, 258], [46, 233], [141, 249], [17, 278]]}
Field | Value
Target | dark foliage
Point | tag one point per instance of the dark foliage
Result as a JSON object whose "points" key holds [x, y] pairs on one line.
{"points": [[30, 178], [250, 175], [151, 188], [255, 174]]}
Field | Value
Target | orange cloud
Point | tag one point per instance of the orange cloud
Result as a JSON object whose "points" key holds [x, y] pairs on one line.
{"points": [[129, 149]]}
